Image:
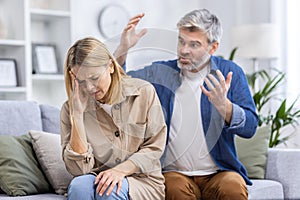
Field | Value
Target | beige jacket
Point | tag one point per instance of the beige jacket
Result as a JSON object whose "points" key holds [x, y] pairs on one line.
{"points": [[136, 131]]}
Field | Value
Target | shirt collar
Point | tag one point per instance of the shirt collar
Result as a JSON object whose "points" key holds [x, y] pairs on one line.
{"points": [[128, 89]]}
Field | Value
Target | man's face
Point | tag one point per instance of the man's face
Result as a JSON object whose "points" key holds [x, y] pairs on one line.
{"points": [[193, 50]]}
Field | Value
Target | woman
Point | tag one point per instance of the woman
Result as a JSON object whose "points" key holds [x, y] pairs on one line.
{"points": [[112, 128]]}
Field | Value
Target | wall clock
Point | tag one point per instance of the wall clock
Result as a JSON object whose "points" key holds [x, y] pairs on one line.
{"points": [[112, 20]]}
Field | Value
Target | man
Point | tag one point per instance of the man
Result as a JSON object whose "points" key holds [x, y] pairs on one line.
{"points": [[203, 110]]}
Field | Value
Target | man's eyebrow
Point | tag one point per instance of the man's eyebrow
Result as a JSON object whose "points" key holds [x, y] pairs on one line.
{"points": [[193, 41], [196, 42]]}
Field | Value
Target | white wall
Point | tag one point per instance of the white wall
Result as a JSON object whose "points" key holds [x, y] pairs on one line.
{"points": [[160, 20], [163, 15], [159, 14]]}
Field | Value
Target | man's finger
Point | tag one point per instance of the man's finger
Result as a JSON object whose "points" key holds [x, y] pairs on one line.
{"points": [[228, 79], [142, 33], [220, 76]]}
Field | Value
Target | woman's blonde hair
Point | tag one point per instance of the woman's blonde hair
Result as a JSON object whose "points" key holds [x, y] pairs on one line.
{"points": [[90, 52]]}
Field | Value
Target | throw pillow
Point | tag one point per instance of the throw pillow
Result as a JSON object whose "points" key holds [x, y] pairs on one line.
{"points": [[48, 150], [20, 173], [50, 118], [253, 152]]}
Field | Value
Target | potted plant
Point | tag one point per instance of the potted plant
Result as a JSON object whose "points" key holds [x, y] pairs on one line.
{"points": [[283, 116]]}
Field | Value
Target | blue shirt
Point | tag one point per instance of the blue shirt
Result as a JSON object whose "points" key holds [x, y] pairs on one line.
{"points": [[165, 76]]}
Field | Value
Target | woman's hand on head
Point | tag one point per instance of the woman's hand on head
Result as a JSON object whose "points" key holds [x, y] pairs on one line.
{"points": [[107, 180], [78, 95]]}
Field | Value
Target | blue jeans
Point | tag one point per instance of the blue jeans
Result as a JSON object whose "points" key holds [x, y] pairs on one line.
{"points": [[83, 188]]}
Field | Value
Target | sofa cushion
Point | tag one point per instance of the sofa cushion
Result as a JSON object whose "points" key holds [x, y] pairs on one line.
{"points": [[20, 173], [18, 117], [35, 197], [265, 189], [253, 152], [283, 165], [50, 118], [48, 151]]}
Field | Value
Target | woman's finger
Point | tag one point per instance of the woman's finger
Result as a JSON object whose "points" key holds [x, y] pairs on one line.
{"points": [[98, 178], [105, 184], [119, 187], [111, 187], [101, 185]]}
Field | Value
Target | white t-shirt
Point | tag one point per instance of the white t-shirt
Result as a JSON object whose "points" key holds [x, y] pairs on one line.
{"points": [[187, 150]]}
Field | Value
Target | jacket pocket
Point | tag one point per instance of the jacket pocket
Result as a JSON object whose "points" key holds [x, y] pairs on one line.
{"points": [[134, 135]]}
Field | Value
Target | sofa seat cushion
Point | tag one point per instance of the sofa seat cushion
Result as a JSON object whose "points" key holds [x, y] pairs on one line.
{"points": [[265, 189], [34, 197]]}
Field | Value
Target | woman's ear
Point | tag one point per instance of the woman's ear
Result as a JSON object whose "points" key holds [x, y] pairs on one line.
{"points": [[111, 67]]}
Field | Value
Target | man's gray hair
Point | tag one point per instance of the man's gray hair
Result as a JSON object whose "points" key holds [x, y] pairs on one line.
{"points": [[204, 21]]}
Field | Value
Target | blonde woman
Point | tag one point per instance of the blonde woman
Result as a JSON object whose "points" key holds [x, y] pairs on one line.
{"points": [[112, 128]]}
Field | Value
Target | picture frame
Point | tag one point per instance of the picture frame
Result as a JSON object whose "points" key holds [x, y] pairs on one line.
{"points": [[44, 59], [8, 72]]}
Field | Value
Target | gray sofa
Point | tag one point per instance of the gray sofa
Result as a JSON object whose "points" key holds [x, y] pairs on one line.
{"points": [[17, 118], [282, 179], [282, 171]]}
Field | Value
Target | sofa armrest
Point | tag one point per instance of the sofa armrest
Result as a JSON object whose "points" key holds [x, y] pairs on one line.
{"points": [[283, 166]]}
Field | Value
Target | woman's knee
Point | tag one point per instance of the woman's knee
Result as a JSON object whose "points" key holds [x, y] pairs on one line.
{"points": [[123, 194], [82, 187]]}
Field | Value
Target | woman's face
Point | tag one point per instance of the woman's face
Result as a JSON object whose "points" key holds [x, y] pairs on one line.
{"points": [[95, 81]]}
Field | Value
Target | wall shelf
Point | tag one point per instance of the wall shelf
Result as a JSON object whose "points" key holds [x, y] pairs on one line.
{"points": [[47, 15], [12, 42], [48, 77], [35, 21], [12, 89]]}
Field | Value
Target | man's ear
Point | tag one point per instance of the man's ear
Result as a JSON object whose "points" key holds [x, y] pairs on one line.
{"points": [[214, 47]]}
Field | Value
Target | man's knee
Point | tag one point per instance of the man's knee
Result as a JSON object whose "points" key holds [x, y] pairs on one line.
{"points": [[230, 186], [233, 191], [179, 186], [175, 181]]}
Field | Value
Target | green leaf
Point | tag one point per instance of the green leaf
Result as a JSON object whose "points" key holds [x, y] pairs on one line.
{"points": [[231, 57], [284, 115]]}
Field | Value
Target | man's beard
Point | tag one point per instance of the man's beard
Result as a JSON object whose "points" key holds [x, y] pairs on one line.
{"points": [[195, 66]]}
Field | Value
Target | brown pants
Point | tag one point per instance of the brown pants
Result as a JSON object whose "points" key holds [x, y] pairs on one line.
{"points": [[219, 186]]}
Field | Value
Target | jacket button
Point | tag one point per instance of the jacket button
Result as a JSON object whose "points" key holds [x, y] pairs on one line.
{"points": [[117, 106], [117, 133], [118, 160]]}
